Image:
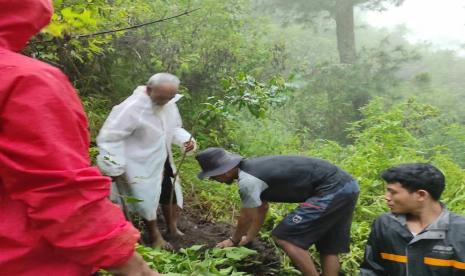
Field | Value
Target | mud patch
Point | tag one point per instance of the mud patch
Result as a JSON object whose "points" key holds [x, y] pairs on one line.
{"points": [[198, 231]]}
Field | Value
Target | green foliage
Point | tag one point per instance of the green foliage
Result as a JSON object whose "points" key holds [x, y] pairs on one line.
{"points": [[214, 42], [449, 138], [97, 109], [263, 137], [334, 93], [197, 261], [73, 18], [246, 91], [243, 91]]}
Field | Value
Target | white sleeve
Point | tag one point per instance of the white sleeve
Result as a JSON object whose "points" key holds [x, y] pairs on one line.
{"points": [[250, 189], [180, 135], [121, 122]]}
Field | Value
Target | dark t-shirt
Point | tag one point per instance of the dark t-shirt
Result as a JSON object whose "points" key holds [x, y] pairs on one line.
{"points": [[291, 178]]}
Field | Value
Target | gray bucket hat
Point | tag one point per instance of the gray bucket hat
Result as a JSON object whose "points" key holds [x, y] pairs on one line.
{"points": [[216, 161]]}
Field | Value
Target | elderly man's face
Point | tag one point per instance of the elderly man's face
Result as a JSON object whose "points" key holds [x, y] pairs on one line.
{"points": [[162, 94]]}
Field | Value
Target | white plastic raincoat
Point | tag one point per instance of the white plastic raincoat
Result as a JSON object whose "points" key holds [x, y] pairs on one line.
{"points": [[136, 139]]}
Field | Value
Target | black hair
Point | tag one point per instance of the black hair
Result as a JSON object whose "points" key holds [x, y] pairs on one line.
{"points": [[417, 176]]}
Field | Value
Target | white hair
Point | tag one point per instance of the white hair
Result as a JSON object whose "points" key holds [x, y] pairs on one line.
{"points": [[162, 78]]}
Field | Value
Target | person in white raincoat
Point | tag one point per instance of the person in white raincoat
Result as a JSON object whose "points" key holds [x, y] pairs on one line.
{"points": [[135, 143]]}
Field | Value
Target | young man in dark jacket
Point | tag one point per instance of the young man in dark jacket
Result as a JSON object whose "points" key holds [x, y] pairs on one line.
{"points": [[420, 236], [327, 195]]}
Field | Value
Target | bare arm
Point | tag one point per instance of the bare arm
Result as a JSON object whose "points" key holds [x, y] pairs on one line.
{"points": [[256, 224], [246, 217], [249, 223]]}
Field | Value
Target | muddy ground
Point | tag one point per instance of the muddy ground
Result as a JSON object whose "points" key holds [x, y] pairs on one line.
{"points": [[197, 230]]}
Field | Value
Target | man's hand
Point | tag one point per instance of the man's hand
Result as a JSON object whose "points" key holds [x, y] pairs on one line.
{"points": [[135, 266], [189, 146], [229, 243], [225, 243]]}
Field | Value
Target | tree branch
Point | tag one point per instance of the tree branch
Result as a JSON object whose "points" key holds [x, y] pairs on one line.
{"points": [[121, 29], [138, 25]]}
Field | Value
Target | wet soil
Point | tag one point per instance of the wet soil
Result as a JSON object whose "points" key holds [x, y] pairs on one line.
{"points": [[197, 230]]}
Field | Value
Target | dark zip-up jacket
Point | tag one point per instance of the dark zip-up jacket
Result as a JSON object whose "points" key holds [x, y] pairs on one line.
{"points": [[438, 250]]}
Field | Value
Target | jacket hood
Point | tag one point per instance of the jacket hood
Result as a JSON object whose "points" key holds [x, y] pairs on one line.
{"points": [[22, 19]]}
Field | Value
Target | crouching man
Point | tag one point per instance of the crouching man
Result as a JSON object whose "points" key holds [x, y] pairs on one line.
{"points": [[327, 197]]}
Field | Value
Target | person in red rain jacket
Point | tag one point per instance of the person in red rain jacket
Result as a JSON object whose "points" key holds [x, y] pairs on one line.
{"points": [[55, 218]]}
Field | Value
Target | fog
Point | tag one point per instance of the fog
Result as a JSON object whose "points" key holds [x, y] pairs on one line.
{"points": [[441, 23]]}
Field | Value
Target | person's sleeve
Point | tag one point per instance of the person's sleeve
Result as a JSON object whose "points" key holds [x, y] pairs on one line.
{"points": [[249, 192], [121, 123], [180, 135], [371, 265], [44, 164]]}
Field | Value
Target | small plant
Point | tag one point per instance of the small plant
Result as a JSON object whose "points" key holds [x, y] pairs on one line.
{"points": [[197, 260]]}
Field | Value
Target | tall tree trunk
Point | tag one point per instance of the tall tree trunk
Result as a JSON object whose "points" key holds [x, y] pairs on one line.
{"points": [[345, 31]]}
